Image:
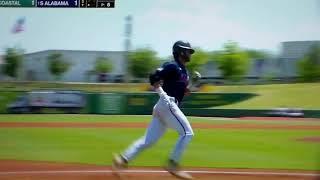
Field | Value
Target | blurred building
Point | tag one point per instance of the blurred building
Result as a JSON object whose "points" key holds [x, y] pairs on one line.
{"points": [[35, 65], [296, 49], [1, 64], [291, 53]]}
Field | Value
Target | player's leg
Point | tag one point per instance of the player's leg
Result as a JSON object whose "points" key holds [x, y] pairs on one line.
{"points": [[178, 121], [174, 118], [155, 130]]}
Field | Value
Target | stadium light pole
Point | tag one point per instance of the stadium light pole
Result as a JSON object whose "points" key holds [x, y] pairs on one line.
{"points": [[127, 45]]}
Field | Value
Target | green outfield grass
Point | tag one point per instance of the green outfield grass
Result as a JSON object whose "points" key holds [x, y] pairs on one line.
{"points": [[72, 118], [227, 148], [301, 95], [135, 118]]}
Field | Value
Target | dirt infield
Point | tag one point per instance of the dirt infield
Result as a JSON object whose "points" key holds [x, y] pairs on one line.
{"points": [[280, 118], [144, 125], [27, 170]]}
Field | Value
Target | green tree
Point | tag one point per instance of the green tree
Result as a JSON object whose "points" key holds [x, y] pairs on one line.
{"points": [[142, 62], [57, 65], [12, 62], [309, 66], [199, 58], [233, 62], [103, 65]]}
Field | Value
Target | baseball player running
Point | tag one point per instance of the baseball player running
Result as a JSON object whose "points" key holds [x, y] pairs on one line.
{"points": [[171, 82]]}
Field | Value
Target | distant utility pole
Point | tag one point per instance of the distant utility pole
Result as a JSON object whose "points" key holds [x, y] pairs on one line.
{"points": [[127, 45]]}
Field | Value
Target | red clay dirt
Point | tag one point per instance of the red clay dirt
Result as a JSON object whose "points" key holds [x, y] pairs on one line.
{"points": [[280, 118], [31, 170], [315, 139]]}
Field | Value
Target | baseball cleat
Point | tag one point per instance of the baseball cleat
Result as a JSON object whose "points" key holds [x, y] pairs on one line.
{"points": [[118, 164], [174, 169]]}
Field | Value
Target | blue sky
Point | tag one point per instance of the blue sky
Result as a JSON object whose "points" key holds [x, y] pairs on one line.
{"points": [[259, 24]]}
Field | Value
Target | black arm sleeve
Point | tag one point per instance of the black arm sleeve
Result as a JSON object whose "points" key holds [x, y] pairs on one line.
{"points": [[166, 71], [154, 78]]}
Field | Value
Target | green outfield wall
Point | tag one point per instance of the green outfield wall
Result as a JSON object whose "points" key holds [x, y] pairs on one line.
{"points": [[197, 104]]}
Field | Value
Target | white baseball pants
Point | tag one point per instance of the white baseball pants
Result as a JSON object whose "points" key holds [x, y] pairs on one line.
{"points": [[166, 113]]}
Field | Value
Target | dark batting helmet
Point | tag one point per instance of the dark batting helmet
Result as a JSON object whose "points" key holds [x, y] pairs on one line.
{"points": [[181, 46]]}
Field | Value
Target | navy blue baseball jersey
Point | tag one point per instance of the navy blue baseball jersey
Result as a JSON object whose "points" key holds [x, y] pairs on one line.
{"points": [[175, 79]]}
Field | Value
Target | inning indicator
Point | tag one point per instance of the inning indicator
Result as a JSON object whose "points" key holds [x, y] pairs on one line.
{"points": [[105, 4]]}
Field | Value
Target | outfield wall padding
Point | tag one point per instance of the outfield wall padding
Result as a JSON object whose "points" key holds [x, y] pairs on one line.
{"points": [[142, 103]]}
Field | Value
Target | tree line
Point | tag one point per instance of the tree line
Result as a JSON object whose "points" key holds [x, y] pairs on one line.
{"points": [[232, 61]]}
